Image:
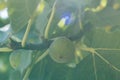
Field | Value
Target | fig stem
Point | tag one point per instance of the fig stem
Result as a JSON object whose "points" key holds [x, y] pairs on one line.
{"points": [[42, 56], [101, 6], [26, 33], [27, 72], [29, 27], [5, 49], [94, 65], [30, 46], [49, 21]]}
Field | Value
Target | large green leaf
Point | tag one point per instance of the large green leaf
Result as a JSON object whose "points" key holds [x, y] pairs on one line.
{"points": [[42, 19], [106, 45], [100, 38], [20, 11], [106, 17], [47, 69], [15, 75], [55, 71]]}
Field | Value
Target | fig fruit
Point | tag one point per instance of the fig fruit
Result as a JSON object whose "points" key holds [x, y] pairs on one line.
{"points": [[62, 50]]}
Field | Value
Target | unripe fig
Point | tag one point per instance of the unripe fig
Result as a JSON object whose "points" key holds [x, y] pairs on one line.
{"points": [[20, 60], [62, 50]]}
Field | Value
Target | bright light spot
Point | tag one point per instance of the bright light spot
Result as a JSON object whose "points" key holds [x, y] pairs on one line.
{"points": [[4, 14], [41, 7], [2, 66], [5, 32], [65, 20], [61, 23], [6, 0], [5, 28], [54, 32], [71, 65], [116, 6], [68, 20]]}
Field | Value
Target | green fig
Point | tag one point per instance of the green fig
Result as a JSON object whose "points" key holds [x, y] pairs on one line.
{"points": [[15, 59], [20, 59], [62, 50]]}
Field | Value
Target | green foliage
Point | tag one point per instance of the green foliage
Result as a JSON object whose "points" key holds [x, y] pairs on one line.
{"points": [[102, 19], [15, 75], [42, 19], [20, 12], [85, 32]]}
